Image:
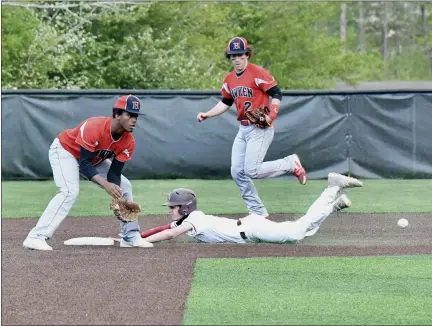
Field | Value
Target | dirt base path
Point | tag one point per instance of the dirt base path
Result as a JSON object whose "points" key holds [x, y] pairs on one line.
{"points": [[117, 286]]}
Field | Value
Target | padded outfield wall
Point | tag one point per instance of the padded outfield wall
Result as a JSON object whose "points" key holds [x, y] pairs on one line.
{"points": [[370, 134]]}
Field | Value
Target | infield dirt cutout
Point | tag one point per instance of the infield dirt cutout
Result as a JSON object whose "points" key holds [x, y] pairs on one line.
{"points": [[104, 285]]}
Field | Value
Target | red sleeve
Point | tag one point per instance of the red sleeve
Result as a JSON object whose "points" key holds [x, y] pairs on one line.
{"points": [[155, 230], [88, 135], [226, 92], [263, 79], [126, 154]]}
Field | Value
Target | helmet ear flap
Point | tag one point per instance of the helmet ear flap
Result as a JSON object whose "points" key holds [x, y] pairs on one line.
{"points": [[184, 210], [188, 208], [184, 198]]}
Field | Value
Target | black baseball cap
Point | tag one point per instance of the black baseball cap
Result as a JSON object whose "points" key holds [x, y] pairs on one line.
{"points": [[237, 45]]}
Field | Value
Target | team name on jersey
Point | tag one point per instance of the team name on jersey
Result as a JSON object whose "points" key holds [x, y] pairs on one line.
{"points": [[105, 153], [241, 91]]}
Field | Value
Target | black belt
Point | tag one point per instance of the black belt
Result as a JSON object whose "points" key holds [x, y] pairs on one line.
{"points": [[242, 234]]}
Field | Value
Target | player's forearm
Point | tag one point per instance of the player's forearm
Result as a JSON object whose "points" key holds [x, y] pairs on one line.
{"points": [[101, 181], [114, 173], [218, 109], [161, 236], [275, 101], [274, 108]]}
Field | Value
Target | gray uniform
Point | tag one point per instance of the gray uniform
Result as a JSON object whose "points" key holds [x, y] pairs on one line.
{"points": [[248, 152]]}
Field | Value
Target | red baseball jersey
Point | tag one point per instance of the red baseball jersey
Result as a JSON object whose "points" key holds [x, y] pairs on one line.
{"points": [[249, 89], [94, 134]]}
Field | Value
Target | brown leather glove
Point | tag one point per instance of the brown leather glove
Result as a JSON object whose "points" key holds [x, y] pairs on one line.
{"points": [[258, 117], [125, 210]]}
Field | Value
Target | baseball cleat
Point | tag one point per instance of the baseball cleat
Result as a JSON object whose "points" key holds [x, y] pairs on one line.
{"points": [[140, 242], [341, 181], [36, 244], [342, 202], [299, 171]]}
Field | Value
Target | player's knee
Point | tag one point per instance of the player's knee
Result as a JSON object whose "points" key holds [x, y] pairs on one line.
{"points": [[290, 233], [70, 193], [126, 185], [251, 171], [298, 235], [236, 172]]}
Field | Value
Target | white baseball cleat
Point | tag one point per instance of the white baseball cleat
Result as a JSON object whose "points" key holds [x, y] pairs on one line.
{"points": [[140, 242], [342, 202], [36, 244], [341, 181]]}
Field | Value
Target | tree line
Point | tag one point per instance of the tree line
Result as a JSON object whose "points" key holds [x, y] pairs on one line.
{"points": [[180, 45]]}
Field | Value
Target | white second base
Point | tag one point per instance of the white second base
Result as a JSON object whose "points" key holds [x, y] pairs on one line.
{"points": [[90, 241]]}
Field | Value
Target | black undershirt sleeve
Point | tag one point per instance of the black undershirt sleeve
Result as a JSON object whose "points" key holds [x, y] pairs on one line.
{"points": [[85, 163], [114, 173], [275, 92], [228, 101]]}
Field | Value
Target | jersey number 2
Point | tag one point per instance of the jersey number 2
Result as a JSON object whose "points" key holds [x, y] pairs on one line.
{"points": [[247, 106]]}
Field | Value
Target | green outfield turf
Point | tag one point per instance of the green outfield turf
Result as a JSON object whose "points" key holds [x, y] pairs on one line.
{"points": [[394, 290], [28, 199]]}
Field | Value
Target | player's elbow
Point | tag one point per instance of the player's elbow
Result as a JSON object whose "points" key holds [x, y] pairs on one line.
{"points": [[170, 234]]}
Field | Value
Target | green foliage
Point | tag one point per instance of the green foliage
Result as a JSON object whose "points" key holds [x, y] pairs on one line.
{"points": [[180, 45], [23, 37]]}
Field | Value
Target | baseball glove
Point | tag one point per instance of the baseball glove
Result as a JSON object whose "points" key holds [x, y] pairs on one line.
{"points": [[125, 210], [258, 117]]}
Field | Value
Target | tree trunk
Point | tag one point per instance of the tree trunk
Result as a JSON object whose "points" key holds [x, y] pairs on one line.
{"points": [[424, 17], [361, 46], [384, 32], [343, 25]]}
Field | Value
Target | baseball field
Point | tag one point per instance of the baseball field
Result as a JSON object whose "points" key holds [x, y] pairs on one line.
{"points": [[359, 269]]}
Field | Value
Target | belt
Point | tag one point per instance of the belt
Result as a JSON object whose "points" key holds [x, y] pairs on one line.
{"points": [[242, 234], [245, 123]]}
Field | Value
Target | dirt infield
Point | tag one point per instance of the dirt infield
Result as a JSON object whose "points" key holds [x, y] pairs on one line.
{"points": [[118, 286]]}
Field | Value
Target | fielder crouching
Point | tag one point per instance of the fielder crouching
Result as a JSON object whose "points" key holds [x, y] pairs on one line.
{"points": [[189, 220], [98, 148]]}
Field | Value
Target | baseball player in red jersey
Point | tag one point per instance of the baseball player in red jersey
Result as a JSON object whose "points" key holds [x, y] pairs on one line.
{"points": [[250, 86], [98, 148]]}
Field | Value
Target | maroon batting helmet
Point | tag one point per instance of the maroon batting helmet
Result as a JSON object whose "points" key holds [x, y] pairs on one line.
{"points": [[185, 198]]}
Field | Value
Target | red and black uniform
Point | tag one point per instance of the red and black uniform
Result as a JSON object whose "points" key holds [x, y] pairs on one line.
{"points": [[249, 90]]}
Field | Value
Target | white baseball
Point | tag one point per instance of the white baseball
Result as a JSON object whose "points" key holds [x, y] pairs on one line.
{"points": [[403, 223]]}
